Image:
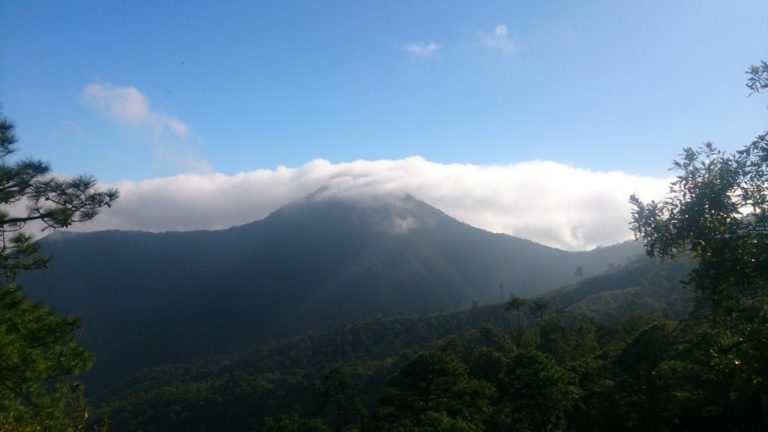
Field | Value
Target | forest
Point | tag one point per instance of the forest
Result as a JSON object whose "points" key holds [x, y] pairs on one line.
{"points": [[673, 340]]}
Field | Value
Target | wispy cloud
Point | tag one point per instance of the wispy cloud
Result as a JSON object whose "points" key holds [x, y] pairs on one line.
{"points": [[128, 105], [548, 202], [170, 138], [498, 39], [421, 49]]}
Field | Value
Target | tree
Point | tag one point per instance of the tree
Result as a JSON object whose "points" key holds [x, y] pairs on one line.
{"points": [[38, 351], [717, 212], [539, 307], [434, 388], [758, 77], [579, 272], [343, 392], [568, 337], [516, 303], [29, 193], [535, 393]]}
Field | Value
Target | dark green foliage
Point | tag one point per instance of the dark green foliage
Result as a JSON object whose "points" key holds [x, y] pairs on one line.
{"points": [[719, 376], [434, 385], [637, 373], [539, 307], [515, 304], [280, 377], [534, 393], [568, 337], [342, 393], [39, 355], [717, 211], [292, 423]]}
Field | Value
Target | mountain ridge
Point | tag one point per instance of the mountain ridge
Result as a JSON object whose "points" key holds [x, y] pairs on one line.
{"points": [[174, 295]]}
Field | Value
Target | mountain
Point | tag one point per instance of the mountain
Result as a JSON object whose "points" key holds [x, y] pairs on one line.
{"points": [[153, 298]]}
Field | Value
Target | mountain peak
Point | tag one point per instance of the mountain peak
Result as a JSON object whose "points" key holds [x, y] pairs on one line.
{"points": [[383, 213]]}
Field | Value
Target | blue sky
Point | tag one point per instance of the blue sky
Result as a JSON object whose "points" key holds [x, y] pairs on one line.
{"points": [[536, 119], [600, 85]]}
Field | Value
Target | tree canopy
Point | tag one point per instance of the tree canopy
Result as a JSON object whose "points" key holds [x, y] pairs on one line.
{"points": [[716, 211]]}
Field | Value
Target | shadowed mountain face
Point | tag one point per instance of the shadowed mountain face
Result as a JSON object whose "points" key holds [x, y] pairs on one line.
{"points": [[151, 298]]}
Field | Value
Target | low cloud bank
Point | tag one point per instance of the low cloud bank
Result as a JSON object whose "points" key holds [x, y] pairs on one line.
{"points": [[547, 202]]}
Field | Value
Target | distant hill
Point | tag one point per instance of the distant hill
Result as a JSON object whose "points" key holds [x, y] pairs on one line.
{"points": [[642, 285], [152, 298]]}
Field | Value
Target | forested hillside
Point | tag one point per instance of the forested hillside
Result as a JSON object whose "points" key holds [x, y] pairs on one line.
{"points": [[281, 378], [152, 298], [642, 285]]}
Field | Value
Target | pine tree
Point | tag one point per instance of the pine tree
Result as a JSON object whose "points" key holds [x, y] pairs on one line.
{"points": [[39, 355]]}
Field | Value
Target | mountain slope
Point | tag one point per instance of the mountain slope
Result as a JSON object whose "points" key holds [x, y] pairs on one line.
{"points": [[642, 285], [234, 392], [152, 298]]}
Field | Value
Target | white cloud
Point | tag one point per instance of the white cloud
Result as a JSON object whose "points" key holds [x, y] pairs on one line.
{"points": [[128, 105], [498, 39], [548, 202], [169, 140], [421, 49]]}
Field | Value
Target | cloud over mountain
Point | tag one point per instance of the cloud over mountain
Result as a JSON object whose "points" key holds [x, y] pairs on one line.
{"points": [[548, 202]]}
